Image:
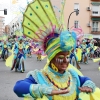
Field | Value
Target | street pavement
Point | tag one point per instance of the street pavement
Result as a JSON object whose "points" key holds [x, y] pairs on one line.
{"points": [[8, 78]]}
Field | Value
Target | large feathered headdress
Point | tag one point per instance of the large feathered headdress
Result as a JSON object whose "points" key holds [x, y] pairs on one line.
{"points": [[41, 24]]}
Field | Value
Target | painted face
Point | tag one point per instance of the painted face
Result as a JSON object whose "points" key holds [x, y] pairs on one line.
{"points": [[61, 61], [21, 41], [5, 42]]}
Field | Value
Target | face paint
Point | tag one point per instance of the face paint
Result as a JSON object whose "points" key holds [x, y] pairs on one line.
{"points": [[61, 58], [61, 61]]}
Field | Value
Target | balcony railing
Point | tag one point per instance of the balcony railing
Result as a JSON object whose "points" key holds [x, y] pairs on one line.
{"points": [[95, 32], [95, 29], [96, 0], [95, 16]]}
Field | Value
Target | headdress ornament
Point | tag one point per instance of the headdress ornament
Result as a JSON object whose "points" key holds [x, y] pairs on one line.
{"points": [[40, 23]]}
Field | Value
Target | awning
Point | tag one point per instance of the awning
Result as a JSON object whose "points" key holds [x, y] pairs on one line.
{"points": [[95, 3], [95, 19]]}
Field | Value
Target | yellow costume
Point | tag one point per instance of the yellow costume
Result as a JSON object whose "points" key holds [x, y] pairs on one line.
{"points": [[79, 54]]}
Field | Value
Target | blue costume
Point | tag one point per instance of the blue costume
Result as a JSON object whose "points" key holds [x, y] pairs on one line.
{"points": [[36, 85], [40, 83], [73, 59], [91, 48], [19, 56], [28, 48], [1, 48], [84, 52]]}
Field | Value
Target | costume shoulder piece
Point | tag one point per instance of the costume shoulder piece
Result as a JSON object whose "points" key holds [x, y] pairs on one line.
{"points": [[38, 76]]}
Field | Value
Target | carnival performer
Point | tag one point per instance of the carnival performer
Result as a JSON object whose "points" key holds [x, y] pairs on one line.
{"points": [[74, 59], [39, 54], [10, 45], [56, 81], [97, 52], [28, 48], [84, 52], [5, 50], [79, 53], [91, 47], [1, 49], [19, 55]]}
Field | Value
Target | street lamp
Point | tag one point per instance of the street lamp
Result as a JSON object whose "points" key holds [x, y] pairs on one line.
{"points": [[77, 12], [5, 11]]}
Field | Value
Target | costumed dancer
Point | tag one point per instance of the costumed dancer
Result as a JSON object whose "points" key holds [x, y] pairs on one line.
{"points": [[55, 81], [97, 52], [91, 47], [84, 52], [27, 46], [19, 55], [39, 54], [29, 49], [74, 59], [5, 50], [1, 49], [79, 53], [10, 46]]}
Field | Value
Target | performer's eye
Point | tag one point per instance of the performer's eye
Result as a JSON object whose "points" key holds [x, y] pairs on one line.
{"points": [[67, 58], [61, 57]]}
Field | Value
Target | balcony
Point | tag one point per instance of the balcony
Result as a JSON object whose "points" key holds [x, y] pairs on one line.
{"points": [[96, 0], [95, 32], [95, 14]]}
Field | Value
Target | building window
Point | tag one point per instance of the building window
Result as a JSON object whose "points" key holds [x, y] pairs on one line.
{"points": [[95, 26], [76, 6], [76, 24], [96, 10]]}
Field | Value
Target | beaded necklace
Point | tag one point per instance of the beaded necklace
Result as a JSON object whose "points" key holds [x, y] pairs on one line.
{"points": [[68, 84]]}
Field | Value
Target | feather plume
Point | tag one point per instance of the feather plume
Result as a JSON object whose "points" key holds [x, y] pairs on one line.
{"points": [[40, 21]]}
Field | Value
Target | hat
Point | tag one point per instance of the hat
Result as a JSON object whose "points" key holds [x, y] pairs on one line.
{"points": [[65, 42]]}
